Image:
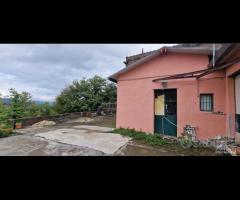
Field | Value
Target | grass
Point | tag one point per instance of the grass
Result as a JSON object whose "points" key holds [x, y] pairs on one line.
{"points": [[168, 145], [155, 140], [6, 132]]}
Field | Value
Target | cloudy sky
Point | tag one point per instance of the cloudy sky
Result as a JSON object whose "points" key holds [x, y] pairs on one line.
{"points": [[45, 69]]}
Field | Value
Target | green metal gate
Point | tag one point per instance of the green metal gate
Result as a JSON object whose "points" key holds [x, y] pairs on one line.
{"points": [[166, 112]]}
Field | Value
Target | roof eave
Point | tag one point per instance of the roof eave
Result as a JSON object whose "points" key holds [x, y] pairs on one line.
{"points": [[190, 51], [158, 52], [226, 48], [112, 79]]}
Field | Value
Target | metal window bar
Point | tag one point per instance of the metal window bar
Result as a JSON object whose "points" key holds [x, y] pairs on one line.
{"points": [[206, 102]]}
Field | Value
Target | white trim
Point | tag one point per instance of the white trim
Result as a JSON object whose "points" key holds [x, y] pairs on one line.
{"points": [[237, 93]]}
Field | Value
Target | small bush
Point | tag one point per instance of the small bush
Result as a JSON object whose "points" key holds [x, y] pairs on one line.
{"points": [[155, 140], [5, 132], [187, 142], [6, 126]]}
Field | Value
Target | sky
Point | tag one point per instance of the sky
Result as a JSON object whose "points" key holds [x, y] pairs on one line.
{"points": [[45, 69]]}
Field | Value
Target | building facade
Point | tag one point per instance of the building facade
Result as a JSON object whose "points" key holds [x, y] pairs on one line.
{"points": [[164, 91]]}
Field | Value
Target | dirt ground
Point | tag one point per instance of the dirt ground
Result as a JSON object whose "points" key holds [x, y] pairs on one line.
{"points": [[26, 143]]}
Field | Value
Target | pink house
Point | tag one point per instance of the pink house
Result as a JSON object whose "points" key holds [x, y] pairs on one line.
{"points": [[194, 85]]}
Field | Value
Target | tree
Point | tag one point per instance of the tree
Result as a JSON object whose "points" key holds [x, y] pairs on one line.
{"points": [[85, 95], [20, 104], [34, 110], [45, 109], [110, 93], [3, 115]]}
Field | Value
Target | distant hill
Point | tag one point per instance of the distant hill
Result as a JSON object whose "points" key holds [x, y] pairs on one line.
{"points": [[42, 102], [7, 101]]}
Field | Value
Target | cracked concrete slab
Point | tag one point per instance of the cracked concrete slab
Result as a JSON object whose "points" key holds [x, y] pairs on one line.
{"points": [[28, 145], [107, 143]]}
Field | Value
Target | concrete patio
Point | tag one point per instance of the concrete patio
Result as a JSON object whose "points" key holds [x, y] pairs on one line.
{"points": [[84, 138], [63, 140], [88, 137]]}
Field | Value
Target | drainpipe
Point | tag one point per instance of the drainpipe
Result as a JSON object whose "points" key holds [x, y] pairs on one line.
{"points": [[214, 54]]}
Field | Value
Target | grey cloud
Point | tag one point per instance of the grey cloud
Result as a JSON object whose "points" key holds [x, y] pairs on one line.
{"points": [[44, 69]]}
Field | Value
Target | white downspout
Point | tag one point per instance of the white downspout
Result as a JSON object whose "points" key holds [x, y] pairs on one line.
{"points": [[214, 54]]}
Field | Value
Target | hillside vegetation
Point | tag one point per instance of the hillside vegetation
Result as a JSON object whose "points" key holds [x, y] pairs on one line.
{"points": [[80, 96]]}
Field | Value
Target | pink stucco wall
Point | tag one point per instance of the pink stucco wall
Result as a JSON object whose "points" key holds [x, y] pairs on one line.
{"points": [[135, 103]]}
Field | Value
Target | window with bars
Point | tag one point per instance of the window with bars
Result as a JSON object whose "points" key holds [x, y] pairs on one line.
{"points": [[206, 102]]}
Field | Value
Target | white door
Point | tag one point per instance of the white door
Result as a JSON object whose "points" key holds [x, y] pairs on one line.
{"points": [[237, 93]]}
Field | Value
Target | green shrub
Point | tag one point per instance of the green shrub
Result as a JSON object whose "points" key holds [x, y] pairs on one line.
{"points": [[6, 126], [155, 140], [5, 132], [186, 141]]}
